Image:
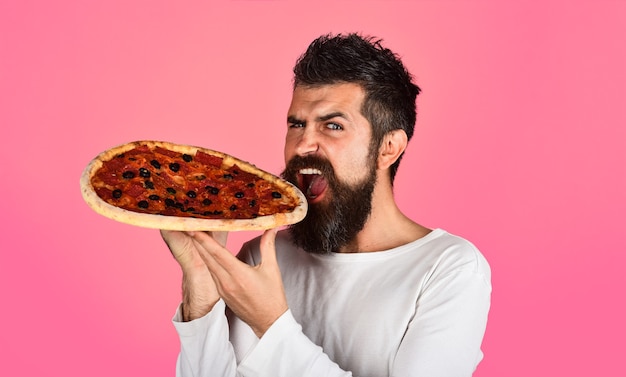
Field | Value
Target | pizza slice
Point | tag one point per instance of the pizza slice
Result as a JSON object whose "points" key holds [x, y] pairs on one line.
{"points": [[162, 185]]}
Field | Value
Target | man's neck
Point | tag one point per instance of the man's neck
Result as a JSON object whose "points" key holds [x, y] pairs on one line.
{"points": [[386, 228]]}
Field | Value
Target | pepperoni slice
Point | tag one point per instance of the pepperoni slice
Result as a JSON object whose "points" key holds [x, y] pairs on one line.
{"points": [[208, 159]]}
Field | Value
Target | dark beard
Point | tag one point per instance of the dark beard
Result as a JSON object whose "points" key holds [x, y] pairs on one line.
{"points": [[331, 224]]}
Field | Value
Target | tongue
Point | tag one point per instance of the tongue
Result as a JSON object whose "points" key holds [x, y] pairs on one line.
{"points": [[316, 185]]}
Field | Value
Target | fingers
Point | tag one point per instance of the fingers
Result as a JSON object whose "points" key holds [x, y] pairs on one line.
{"points": [[222, 263], [211, 246], [220, 237], [177, 242], [213, 253], [268, 246], [169, 236]]}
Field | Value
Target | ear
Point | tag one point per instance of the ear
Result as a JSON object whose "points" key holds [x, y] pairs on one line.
{"points": [[393, 145]]}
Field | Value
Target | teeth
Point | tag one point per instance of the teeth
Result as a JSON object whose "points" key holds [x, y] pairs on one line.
{"points": [[310, 171]]}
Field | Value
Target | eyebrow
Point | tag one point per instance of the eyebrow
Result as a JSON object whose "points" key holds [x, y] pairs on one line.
{"points": [[322, 118], [335, 114], [293, 120]]}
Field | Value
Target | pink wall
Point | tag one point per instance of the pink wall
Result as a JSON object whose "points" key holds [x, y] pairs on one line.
{"points": [[521, 147]]}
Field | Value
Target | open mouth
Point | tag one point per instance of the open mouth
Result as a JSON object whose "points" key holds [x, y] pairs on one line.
{"points": [[312, 183]]}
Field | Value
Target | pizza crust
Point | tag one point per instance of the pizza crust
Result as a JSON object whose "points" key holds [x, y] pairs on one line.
{"points": [[189, 223]]}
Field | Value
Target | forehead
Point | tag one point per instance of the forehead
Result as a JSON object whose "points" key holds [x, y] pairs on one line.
{"points": [[318, 100]]}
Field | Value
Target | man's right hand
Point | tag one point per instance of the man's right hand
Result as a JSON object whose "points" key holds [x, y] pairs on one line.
{"points": [[199, 291]]}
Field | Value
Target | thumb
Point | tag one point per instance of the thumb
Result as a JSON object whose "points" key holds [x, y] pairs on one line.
{"points": [[268, 247]]}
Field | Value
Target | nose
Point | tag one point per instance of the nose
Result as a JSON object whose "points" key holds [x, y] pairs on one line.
{"points": [[307, 142]]}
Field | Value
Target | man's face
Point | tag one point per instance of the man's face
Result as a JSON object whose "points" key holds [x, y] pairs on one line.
{"points": [[328, 156]]}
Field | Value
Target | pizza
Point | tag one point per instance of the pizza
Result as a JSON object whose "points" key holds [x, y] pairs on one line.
{"points": [[162, 185]]}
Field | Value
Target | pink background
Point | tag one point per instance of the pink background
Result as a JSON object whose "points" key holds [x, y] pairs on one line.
{"points": [[520, 147]]}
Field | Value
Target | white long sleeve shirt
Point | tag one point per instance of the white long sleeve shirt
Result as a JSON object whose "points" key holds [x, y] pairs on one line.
{"points": [[416, 310]]}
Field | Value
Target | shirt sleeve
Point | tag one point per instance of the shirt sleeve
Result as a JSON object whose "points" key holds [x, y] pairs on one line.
{"points": [[202, 339], [444, 337], [284, 351]]}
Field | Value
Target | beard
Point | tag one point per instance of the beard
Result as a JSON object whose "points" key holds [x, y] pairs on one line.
{"points": [[335, 221]]}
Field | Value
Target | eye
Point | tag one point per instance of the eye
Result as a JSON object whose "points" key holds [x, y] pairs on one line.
{"points": [[296, 125], [334, 126]]}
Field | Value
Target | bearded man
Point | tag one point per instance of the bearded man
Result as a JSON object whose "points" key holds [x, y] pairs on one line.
{"points": [[357, 288]]}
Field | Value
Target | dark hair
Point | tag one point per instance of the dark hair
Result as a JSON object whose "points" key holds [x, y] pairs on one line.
{"points": [[390, 93]]}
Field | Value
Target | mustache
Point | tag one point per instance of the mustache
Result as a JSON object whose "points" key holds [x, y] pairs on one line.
{"points": [[296, 163]]}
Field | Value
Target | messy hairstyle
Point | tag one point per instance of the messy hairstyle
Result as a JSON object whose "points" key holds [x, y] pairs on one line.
{"points": [[390, 93]]}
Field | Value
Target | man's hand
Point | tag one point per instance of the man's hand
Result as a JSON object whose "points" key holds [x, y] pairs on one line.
{"points": [[254, 293], [199, 291]]}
